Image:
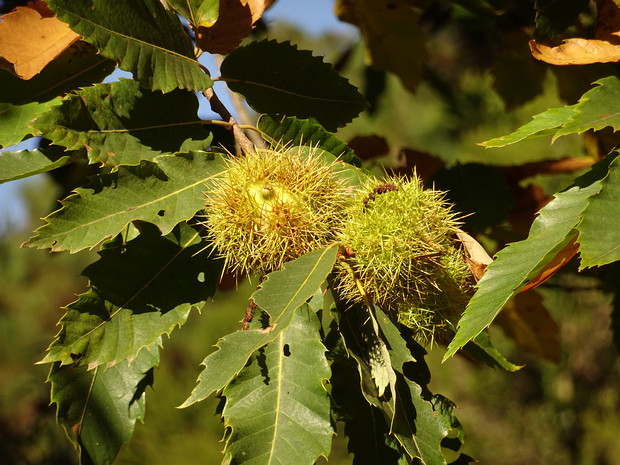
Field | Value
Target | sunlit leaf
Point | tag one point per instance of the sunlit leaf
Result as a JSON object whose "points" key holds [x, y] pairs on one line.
{"points": [[122, 123], [520, 262], [293, 131], [98, 408], [145, 38], [277, 78], [599, 230], [30, 52], [279, 296], [163, 193], [543, 124], [597, 109], [277, 407], [141, 291]]}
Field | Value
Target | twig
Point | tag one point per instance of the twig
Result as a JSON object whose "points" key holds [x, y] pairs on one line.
{"points": [[217, 106]]}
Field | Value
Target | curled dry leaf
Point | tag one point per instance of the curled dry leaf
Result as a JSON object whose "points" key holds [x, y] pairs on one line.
{"points": [[604, 48], [235, 22], [31, 37], [475, 256]]}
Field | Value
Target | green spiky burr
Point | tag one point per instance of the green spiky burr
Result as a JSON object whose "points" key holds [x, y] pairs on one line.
{"points": [[270, 206], [401, 250]]}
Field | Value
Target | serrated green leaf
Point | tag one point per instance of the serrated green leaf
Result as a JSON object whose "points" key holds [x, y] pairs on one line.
{"points": [[163, 193], [277, 78], [22, 164], [597, 109], [522, 261], [132, 33], [365, 426], [599, 230], [141, 291], [283, 131], [279, 296], [197, 12], [277, 407], [121, 123], [21, 101], [399, 352], [98, 408], [543, 124], [416, 425]]}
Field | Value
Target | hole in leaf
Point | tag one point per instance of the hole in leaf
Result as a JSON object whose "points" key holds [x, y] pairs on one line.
{"points": [[161, 212], [286, 350], [201, 277]]}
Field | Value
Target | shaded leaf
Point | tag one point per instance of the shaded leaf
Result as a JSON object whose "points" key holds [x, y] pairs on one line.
{"points": [[528, 322], [234, 23], [141, 291], [599, 234], [481, 349], [163, 193], [21, 101], [22, 164], [279, 296], [277, 407], [131, 33], [365, 426], [277, 78], [122, 123], [30, 52], [197, 12], [519, 262], [553, 17], [516, 88], [98, 408], [394, 38], [416, 425]]}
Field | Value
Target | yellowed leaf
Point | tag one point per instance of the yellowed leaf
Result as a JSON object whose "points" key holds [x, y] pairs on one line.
{"points": [[476, 257], [528, 323], [394, 38], [561, 259], [604, 48], [31, 37], [576, 52], [235, 22]]}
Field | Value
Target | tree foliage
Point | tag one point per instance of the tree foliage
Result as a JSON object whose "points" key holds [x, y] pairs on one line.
{"points": [[305, 355]]}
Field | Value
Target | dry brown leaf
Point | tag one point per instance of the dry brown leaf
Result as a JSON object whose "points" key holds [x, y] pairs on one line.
{"points": [[31, 37], [604, 48], [476, 257], [527, 321], [235, 22], [561, 259]]}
